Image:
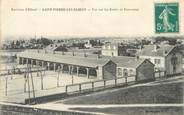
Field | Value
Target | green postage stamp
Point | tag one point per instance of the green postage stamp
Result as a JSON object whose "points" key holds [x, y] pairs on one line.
{"points": [[166, 17]]}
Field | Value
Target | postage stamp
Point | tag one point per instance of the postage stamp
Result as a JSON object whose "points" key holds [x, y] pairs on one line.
{"points": [[166, 17]]}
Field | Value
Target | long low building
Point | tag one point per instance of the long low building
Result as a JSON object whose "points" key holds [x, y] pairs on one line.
{"points": [[103, 67], [93, 67]]}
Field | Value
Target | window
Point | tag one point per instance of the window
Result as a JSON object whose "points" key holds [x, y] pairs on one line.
{"points": [[131, 72], [112, 54], [157, 61], [119, 72], [104, 47], [125, 72]]}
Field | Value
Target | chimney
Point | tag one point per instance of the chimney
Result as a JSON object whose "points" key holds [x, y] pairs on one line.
{"points": [[98, 56], [165, 52], [137, 58], [155, 48], [73, 53], [140, 48]]}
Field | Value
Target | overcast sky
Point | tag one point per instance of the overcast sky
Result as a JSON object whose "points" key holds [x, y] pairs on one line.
{"points": [[139, 22]]}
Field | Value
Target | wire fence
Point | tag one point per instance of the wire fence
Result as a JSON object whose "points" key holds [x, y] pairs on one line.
{"points": [[19, 70]]}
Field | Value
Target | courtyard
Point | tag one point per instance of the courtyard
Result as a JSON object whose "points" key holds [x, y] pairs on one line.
{"points": [[45, 83]]}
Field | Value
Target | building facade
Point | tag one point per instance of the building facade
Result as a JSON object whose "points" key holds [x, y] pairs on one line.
{"points": [[165, 58], [112, 50], [134, 68]]}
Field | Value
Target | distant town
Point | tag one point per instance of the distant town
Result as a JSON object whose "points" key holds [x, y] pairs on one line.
{"points": [[43, 70], [129, 45]]}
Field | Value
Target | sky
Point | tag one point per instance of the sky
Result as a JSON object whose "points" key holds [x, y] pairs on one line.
{"points": [[136, 22]]}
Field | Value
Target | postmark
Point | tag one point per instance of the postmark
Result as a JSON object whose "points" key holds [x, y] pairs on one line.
{"points": [[166, 17]]}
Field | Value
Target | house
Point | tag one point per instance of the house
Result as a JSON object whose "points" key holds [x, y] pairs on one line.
{"points": [[112, 49], [181, 49], [88, 44], [165, 57], [140, 69]]}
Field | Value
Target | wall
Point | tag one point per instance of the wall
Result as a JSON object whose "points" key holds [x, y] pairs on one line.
{"points": [[109, 70], [152, 59], [169, 66], [131, 71], [145, 71], [100, 72], [110, 50]]}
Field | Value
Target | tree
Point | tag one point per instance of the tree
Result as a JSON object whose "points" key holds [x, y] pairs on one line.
{"points": [[46, 41], [12, 44], [17, 43]]}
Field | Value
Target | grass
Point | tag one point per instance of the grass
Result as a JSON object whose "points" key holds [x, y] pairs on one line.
{"points": [[136, 110], [162, 93]]}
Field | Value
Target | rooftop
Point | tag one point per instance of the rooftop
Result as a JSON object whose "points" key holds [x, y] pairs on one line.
{"points": [[156, 50], [68, 59], [89, 61], [125, 61]]}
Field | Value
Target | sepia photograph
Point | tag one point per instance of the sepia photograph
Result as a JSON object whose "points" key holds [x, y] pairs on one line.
{"points": [[91, 57]]}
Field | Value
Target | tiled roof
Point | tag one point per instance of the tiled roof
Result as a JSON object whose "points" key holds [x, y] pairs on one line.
{"points": [[111, 44], [65, 59], [90, 61], [162, 50], [125, 61]]}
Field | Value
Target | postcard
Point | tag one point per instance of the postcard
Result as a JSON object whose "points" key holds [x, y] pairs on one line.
{"points": [[91, 57]]}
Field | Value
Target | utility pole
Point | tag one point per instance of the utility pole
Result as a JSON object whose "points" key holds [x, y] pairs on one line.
{"points": [[25, 81], [72, 75], [6, 85], [32, 84], [28, 84], [59, 69], [28, 76], [41, 80]]}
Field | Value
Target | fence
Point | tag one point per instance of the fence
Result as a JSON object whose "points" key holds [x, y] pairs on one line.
{"points": [[100, 84], [160, 74], [19, 70]]}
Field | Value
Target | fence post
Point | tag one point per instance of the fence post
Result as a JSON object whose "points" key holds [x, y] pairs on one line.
{"points": [[126, 80], [6, 87], [92, 86], [79, 87], [66, 90], [104, 83], [165, 74], [115, 81]]}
